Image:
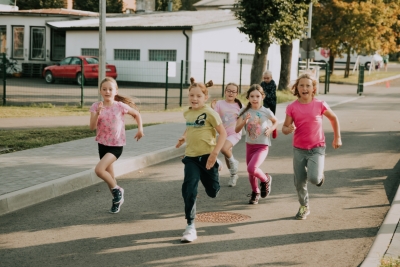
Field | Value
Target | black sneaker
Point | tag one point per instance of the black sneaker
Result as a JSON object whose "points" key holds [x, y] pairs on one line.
{"points": [[322, 181], [254, 198], [118, 195], [115, 208], [266, 187]]}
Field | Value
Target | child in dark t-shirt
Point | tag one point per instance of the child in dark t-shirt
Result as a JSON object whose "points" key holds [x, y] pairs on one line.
{"points": [[269, 87]]}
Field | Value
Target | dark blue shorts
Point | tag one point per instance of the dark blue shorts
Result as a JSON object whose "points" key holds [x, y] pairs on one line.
{"points": [[115, 150]]}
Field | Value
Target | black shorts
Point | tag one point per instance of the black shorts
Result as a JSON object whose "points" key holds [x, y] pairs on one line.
{"points": [[115, 150]]}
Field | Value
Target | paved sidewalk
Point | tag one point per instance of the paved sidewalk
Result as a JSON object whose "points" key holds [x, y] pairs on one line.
{"points": [[32, 176]]}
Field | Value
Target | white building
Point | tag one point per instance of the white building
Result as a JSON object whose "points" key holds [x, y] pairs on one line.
{"points": [[141, 44], [154, 38]]}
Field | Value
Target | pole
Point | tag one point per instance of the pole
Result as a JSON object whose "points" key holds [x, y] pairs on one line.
{"points": [[4, 79], [102, 43], [309, 34], [166, 88], [82, 81], [360, 86], [180, 94], [205, 71], [223, 79], [240, 77]]}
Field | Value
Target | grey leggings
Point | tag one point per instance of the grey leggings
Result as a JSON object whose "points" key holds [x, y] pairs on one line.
{"points": [[308, 165]]}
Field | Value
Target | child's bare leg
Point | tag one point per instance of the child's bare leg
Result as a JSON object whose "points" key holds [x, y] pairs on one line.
{"points": [[110, 170], [103, 167], [227, 152]]}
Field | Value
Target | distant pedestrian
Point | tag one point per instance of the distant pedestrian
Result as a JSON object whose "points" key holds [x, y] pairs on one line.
{"points": [[385, 59], [107, 117], [304, 119], [256, 120], [269, 87], [228, 110], [202, 149]]}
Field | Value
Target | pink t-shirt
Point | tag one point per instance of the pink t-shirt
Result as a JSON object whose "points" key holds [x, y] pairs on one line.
{"points": [[308, 121], [111, 124], [228, 113]]}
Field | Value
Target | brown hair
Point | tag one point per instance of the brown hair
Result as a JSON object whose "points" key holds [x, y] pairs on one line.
{"points": [[254, 87], [304, 76], [237, 88], [202, 86], [124, 99]]}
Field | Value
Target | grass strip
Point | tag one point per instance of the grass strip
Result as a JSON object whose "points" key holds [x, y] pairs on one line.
{"points": [[17, 140]]}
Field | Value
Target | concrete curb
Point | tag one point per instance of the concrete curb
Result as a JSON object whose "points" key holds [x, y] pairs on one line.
{"points": [[385, 234], [32, 195]]}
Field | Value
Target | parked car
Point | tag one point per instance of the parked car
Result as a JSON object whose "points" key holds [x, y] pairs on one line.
{"points": [[70, 68], [322, 55]]}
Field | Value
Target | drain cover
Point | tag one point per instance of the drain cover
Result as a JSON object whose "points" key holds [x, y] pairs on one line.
{"points": [[221, 217]]}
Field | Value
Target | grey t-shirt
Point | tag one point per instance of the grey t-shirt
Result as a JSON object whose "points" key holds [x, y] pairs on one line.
{"points": [[257, 124]]}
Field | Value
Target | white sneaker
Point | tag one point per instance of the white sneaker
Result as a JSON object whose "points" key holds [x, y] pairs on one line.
{"points": [[234, 167], [232, 180], [219, 165], [189, 235]]}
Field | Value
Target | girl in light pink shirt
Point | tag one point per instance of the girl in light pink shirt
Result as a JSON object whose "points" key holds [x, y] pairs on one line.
{"points": [[304, 119], [107, 117], [228, 109]]}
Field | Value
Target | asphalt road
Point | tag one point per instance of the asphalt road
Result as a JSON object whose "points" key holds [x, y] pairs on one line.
{"points": [[361, 180]]}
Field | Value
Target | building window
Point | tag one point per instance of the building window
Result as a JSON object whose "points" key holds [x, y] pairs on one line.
{"points": [[90, 52], [162, 55], [3, 39], [57, 45], [18, 42], [38, 43], [126, 54], [246, 58], [216, 56]]}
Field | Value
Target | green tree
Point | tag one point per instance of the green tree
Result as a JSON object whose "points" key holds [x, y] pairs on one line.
{"points": [[188, 4], [112, 6], [266, 22], [355, 27], [162, 5], [38, 4]]}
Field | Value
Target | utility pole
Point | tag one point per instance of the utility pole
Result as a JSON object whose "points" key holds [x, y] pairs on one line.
{"points": [[102, 43], [309, 33]]}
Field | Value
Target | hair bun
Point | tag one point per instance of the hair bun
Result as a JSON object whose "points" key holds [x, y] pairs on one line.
{"points": [[209, 84], [192, 81]]}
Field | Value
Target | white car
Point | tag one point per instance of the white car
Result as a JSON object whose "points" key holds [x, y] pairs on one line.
{"points": [[322, 55]]}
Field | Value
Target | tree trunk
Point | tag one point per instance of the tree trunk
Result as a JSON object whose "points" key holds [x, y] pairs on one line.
{"points": [[347, 68], [286, 64], [259, 64]]}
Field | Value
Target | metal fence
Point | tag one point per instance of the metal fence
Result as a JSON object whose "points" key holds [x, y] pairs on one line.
{"points": [[154, 85]]}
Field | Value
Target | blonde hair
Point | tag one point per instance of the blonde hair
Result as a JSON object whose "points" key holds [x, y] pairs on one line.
{"points": [[294, 89], [268, 72], [254, 87], [124, 99], [202, 86]]}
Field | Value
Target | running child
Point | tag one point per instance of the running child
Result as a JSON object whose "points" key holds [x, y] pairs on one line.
{"points": [[255, 118], [304, 119], [269, 87], [228, 110], [107, 117], [202, 148]]}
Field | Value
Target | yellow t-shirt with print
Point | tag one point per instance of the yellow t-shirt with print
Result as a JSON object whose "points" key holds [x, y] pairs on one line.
{"points": [[200, 132]]}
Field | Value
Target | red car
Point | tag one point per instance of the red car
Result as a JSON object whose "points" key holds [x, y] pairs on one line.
{"points": [[70, 68]]}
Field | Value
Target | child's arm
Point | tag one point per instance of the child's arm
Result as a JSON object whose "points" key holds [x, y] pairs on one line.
{"points": [[241, 122], [337, 141], [181, 140], [136, 115], [288, 126], [269, 131], [95, 115], [220, 143]]}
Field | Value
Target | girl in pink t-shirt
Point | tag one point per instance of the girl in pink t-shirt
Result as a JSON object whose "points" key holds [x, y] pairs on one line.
{"points": [[304, 119], [107, 117], [228, 110]]}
